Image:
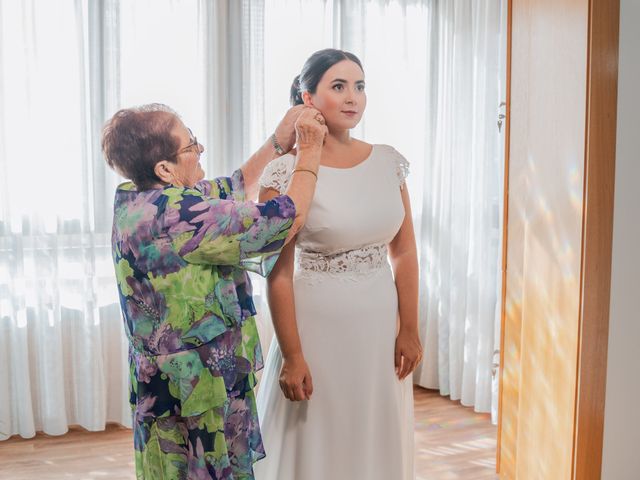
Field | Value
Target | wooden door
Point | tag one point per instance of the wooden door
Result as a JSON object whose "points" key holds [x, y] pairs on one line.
{"points": [[559, 197]]}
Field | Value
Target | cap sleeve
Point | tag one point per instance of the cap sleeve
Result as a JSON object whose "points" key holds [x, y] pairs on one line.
{"points": [[401, 166], [277, 173]]}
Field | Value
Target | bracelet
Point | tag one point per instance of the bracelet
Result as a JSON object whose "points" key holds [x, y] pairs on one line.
{"points": [[276, 145], [305, 170]]}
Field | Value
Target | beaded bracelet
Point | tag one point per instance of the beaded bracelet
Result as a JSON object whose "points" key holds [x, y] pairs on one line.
{"points": [[276, 145]]}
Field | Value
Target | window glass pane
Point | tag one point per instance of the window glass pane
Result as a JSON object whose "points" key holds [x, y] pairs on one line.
{"points": [[161, 57], [41, 114]]}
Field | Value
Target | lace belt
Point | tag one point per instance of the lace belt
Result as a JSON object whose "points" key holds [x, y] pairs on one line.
{"points": [[359, 261]]}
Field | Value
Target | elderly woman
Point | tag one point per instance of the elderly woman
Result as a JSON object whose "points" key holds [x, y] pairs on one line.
{"points": [[182, 246]]}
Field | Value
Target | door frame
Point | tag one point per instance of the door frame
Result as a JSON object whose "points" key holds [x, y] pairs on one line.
{"points": [[597, 234]]}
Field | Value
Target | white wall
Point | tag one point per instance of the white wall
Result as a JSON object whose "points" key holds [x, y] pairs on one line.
{"points": [[621, 451]]}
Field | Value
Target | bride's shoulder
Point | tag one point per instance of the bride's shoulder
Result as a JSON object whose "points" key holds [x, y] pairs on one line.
{"points": [[277, 173]]}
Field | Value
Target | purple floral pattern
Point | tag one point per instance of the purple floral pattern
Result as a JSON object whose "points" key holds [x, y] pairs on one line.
{"points": [[181, 258]]}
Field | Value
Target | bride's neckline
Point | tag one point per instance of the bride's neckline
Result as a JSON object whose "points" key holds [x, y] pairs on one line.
{"points": [[373, 147]]}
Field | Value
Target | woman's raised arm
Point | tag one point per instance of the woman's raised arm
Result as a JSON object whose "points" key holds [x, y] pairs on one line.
{"points": [[285, 135]]}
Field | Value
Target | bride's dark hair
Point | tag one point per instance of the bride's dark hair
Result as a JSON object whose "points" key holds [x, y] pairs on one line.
{"points": [[314, 69]]}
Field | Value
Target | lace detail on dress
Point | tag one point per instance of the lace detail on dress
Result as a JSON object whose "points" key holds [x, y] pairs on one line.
{"points": [[402, 169], [352, 264], [276, 175]]}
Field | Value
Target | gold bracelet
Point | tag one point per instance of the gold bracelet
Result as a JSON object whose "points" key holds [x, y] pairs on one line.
{"points": [[305, 170]]}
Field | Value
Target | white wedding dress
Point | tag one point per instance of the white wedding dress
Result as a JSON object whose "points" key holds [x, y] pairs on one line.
{"points": [[358, 424]]}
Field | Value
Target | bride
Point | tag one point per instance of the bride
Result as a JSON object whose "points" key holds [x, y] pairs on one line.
{"points": [[336, 401]]}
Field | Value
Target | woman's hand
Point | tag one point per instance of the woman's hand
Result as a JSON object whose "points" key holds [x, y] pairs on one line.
{"points": [[408, 352], [295, 379], [310, 129], [285, 131]]}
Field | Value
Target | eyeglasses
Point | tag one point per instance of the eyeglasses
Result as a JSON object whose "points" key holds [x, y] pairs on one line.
{"points": [[193, 143]]}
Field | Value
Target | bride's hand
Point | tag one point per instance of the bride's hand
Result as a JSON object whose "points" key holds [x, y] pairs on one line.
{"points": [[408, 354], [295, 379]]}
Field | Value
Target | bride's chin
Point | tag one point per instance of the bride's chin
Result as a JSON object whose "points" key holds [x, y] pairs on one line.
{"points": [[353, 124]]}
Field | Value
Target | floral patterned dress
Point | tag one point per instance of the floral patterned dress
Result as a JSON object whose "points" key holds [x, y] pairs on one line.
{"points": [[181, 257]]}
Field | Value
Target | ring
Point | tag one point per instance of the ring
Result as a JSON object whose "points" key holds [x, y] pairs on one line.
{"points": [[319, 118]]}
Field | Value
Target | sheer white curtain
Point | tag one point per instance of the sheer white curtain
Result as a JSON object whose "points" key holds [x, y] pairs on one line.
{"points": [[65, 67], [61, 348], [461, 230]]}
